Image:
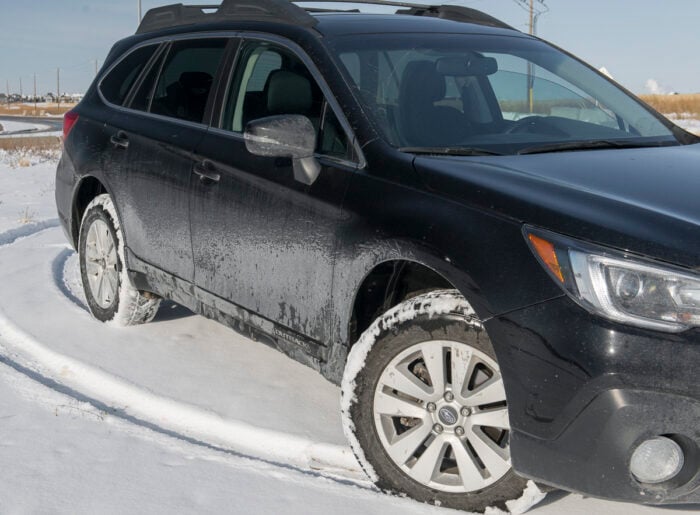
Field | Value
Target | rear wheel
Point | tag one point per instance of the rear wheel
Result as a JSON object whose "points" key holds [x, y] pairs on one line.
{"points": [[109, 293], [429, 407]]}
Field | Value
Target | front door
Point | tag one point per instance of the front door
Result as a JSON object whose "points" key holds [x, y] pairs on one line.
{"points": [[261, 239]]}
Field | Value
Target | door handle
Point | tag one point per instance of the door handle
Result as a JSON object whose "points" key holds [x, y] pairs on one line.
{"points": [[120, 140], [206, 171]]}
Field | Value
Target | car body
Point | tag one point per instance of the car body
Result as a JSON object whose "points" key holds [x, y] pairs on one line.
{"points": [[306, 263]]}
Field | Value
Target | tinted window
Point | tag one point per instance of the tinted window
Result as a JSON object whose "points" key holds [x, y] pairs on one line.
{"points": [[187, 78], [116, 85], [271, 81]]}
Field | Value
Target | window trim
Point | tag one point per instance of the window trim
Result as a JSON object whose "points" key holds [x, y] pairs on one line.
{"points": [[163, 51], [226, 73]]}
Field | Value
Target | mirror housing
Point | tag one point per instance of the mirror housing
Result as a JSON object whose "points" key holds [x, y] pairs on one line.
{"points": [[289, 135], [472, 65]]}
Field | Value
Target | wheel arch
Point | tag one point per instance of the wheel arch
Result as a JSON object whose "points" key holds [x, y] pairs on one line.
{"points": [[408, 270], [88, 187]]}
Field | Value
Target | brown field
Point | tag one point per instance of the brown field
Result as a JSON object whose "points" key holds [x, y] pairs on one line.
{"points": [[39, 143], [28, 109], [686, 105]]}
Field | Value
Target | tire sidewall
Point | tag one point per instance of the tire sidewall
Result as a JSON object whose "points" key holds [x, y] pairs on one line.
{"points": [[387, 346], [93, 214]]}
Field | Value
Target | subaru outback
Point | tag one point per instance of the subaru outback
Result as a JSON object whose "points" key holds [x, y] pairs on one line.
{"points": [[491, 247]]}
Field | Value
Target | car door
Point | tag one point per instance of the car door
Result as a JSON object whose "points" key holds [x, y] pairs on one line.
{"points": [[261, 239], [157, 132]]}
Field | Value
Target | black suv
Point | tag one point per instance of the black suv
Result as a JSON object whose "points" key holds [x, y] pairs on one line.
{"points": [[493, 248]]}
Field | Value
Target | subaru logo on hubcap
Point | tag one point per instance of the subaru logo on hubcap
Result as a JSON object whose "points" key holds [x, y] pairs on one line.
{"points": [[448, 416]]}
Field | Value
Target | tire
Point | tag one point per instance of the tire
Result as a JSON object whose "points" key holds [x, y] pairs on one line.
{"points": [[108, 290], [417, 434]]}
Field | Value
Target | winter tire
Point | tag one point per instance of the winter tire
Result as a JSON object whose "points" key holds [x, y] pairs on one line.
{"points": [[425, 407], [108, 290]]}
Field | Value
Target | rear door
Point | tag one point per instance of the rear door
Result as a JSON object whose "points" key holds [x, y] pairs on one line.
{"points": [[261, 239], [164, 120]]}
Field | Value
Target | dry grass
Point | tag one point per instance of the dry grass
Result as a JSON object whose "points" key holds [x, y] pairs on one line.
{"points": [[28, 109], [687, 106], [40, 143]]}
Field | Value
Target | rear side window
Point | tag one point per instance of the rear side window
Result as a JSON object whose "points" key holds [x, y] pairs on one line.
{"points": [[187, 78], [116, 85]]}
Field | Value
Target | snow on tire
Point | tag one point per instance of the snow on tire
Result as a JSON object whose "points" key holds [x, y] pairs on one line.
{"points": [[424, 407], [110, 295]]}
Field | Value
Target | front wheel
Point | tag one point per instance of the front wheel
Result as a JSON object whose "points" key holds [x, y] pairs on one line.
{"points": [[108, 290], [425, 407]]}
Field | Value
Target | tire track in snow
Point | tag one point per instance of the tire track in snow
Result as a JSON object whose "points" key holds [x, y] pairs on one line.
{"points": [[190, 424], [187, 422], [24, 231]]}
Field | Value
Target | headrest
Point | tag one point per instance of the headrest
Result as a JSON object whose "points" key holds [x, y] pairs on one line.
{"points": [[421, 79], [288, 93]]}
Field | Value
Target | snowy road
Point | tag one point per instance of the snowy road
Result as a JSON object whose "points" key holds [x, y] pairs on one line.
{"points": [[181, 415]]}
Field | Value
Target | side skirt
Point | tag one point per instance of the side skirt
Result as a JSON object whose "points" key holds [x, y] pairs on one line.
{"points": [[299, 347]]}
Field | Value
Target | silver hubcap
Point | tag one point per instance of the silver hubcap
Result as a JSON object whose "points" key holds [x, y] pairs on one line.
{"points": [[101, 264], [440, 412]]}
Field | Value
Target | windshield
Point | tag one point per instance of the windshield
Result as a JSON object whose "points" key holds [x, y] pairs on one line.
{"points": [[489, 94]]}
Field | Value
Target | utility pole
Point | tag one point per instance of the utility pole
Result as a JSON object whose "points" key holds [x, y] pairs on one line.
{"points": [[58, 87], [139, 8], [20, 89], [7, 85], [35, 94]]}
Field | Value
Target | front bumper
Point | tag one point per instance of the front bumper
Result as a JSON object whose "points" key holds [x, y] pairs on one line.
{"points": [[584, 393]]}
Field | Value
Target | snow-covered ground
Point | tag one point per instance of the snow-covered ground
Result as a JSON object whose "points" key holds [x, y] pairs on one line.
{"points": [[182, 415], [686, 121], [14, 128]]}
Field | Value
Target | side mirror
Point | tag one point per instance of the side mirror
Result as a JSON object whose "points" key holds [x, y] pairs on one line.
{"points": [[289, 135]]}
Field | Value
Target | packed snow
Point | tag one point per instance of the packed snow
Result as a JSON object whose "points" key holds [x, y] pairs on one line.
{"points": [[180, 415], [14, 128]]}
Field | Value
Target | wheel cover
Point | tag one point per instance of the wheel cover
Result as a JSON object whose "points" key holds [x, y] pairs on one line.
{"points": [[101, 264], [440, 413]]}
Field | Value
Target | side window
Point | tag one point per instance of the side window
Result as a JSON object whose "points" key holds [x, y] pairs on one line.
{"points": [[270, 80], [116, 85], [186, 79]]}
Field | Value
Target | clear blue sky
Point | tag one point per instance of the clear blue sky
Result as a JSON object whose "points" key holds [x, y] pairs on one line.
{"points": [[636, 40]]}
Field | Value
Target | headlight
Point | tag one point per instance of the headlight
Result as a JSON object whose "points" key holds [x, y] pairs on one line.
{"points": [[625, 289]]}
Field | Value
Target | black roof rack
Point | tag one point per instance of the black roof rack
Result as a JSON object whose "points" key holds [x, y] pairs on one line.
{"points": [[446, 12], [286, 11], [176, 15]]}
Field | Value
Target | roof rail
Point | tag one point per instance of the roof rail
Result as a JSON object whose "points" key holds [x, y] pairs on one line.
{"points": [[176, 15], [446, 12], [286, 11]]}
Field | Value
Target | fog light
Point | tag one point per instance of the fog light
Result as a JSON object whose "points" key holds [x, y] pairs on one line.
{"points": [[657, 460]]}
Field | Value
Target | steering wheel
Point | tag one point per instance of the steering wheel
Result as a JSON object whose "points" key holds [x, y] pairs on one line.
{"points": [[536, 125]]}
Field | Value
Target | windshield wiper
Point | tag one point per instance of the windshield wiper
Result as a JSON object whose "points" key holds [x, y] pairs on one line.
{"points": [[591, 145], [450, 151]]}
